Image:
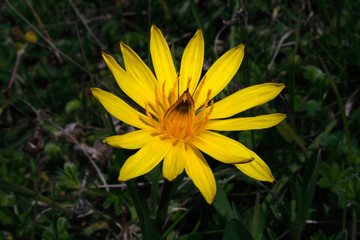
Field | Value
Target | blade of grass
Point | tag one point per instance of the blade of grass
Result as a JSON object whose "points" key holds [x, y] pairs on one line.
{"points": [[232, 42], [155, 188], [289, 134], [247, 59], [333, 59], [305, 195], [291, 85], [345, 125], [84, 56], [169, 189], [341, 107], [256, 215], [163, 205], [54, 218], [196, 14], [353, 224], [147, 225], [178, 219], [236, 230], [287, 131], [83, 20], [222, 204], [320, 137], [26, 191]]}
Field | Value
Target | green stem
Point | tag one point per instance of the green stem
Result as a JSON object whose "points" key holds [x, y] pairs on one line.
{"points": [[36, 191], [353, 227], [147, 225], [54, 220], [255, 221], [163, 205], [168, 191], [177, 220], [29, 192]]}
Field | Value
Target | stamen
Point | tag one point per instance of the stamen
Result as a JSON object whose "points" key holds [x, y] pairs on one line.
{"points": [[202, 123], [204, 106], [211, 107], [157, 103], [199, 88], [188, 83], [175, 115], [174, 90], [165, 105], [190, 122], [154, 123]]}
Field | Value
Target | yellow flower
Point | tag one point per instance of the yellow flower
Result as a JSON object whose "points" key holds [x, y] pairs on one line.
{"points": [[179, 114], [30, 37]]}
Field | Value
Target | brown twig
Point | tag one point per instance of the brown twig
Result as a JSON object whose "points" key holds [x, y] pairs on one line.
{"points": [[42, 26], [16, 67], [83, 20], [45, 39], [280, 44]]}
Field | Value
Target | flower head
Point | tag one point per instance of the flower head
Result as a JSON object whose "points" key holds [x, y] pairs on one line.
{"points": [[179, 113]]}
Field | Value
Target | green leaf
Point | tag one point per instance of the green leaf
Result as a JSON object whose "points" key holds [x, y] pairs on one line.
{"points": [[193, 236], [5, 218], [148, 228], [342, 236], [313, 73], [221, 203], [95, 227], [69, 177], [78, 236], [289, 134], [73, 106], [332, 175], [236, 230], [62, 225]]}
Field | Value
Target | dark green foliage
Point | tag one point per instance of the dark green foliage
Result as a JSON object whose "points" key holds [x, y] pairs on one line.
{"points": [[53, 164]]}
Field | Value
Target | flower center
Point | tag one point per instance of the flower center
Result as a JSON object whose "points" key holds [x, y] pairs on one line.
{"points": [[177, 119]]}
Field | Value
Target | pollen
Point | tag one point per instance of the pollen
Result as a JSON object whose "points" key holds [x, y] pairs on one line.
{"points": [[177, 118]]}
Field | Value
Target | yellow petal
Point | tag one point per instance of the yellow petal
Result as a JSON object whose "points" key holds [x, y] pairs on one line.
{"points": [[121, 110], [246, 123], [128, 84], [138, 69], [221, 73], [199, 171], [192, 62], [145, 159], [162, 59], [131, 140], [222, 148], [174, 161], [246, 98], [256, 169]]}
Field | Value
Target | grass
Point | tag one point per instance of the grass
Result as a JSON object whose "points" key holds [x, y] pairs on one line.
{"points": [[58, 181]]}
